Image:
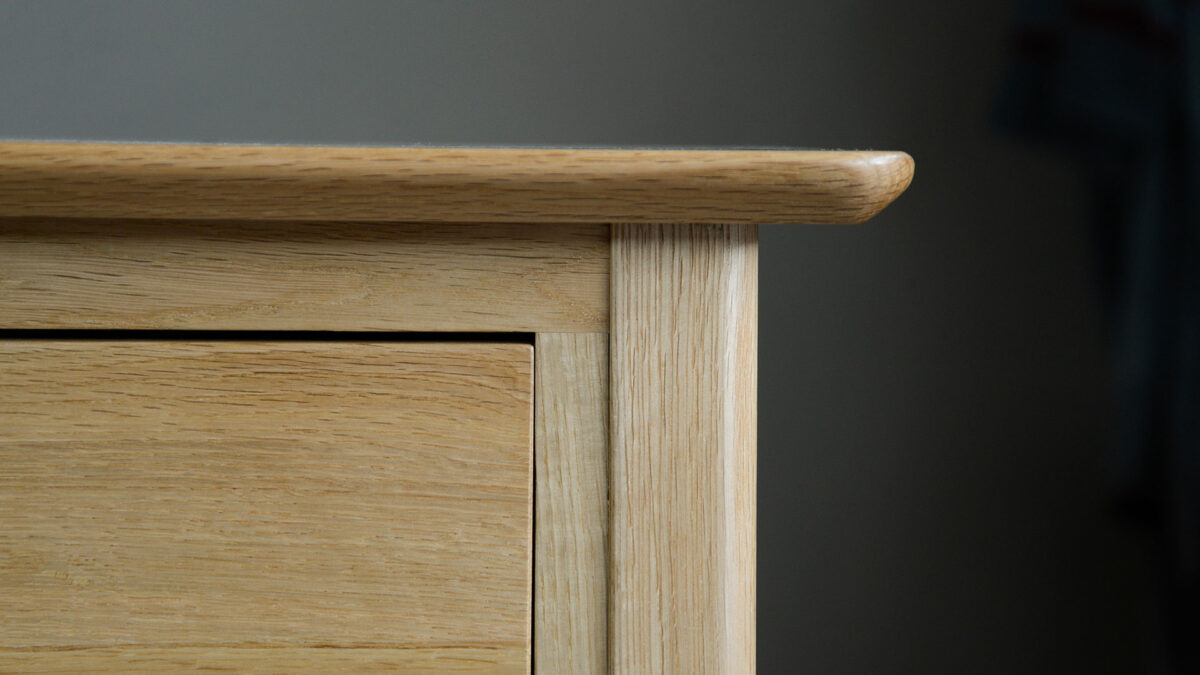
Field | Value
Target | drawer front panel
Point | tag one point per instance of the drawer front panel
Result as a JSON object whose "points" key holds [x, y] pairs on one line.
{"points": [[232, 502]]}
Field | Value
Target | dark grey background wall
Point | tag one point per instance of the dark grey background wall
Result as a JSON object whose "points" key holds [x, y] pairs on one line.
{"points": [[934, 402]]}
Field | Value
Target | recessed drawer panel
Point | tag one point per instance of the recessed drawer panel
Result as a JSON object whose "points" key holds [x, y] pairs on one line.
{"points": [[283, 505]]}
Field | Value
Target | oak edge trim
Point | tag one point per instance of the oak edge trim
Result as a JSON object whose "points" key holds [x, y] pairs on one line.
{"points": [[412, 184]]}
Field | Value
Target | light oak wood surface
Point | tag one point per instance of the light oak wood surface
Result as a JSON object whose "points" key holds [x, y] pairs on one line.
{"points": [[91, 273], [683, 381], [260, 660], [265, 504], [274, 506], [571, 552], [478, 185]]}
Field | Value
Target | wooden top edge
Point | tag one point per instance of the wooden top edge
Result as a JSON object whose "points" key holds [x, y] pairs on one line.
{"points": [[422, 184]]}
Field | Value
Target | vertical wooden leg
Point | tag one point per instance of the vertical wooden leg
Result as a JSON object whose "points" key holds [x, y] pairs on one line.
{"points": [[683, 388]]}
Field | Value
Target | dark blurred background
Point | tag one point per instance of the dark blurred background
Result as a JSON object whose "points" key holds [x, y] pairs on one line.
{"points": [[938, 404]]}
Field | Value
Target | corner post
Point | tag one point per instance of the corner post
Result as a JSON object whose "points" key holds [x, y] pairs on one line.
{"points": [[683, 361]]}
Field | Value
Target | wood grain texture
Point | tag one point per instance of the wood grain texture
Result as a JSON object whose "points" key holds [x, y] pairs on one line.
{"points": [[274, 496], [447, 184], [684, 369], [87, 273], [570, 633], [259, 660]]}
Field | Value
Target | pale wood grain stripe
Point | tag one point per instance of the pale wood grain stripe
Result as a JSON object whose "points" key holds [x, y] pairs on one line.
{"points": [[684, 340], [571, 552], [479, 185], [427, 661]]}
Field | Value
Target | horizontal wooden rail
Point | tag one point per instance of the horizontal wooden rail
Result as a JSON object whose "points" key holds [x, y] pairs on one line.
{"points": [[416, 184]]}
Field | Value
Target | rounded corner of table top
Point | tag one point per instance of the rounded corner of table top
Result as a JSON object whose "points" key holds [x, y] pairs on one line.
{"points": [[448, 184]]}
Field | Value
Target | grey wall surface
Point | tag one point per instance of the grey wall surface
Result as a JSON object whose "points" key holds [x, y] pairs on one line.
{"points": [[934, 402]]}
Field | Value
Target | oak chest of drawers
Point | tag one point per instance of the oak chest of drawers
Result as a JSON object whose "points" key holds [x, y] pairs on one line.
{"points": [[289, 409]]}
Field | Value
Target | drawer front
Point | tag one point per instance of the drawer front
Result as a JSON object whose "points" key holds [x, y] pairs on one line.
{"points": [[280, 505]]}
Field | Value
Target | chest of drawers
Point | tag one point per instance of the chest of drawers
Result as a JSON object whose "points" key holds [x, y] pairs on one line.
{"points": [[431, 410]]}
